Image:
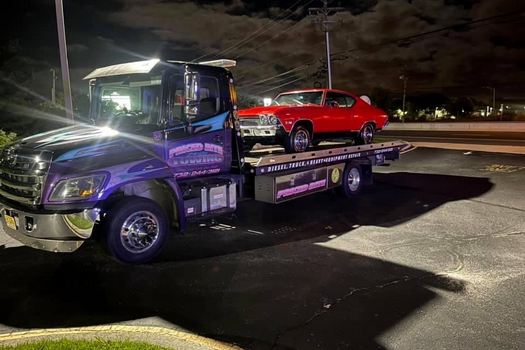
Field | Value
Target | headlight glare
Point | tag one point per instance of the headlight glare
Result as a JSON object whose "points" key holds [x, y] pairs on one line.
{"points": [[78, 188]]}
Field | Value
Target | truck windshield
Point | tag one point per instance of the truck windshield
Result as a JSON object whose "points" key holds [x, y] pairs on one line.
{"points": [[129, 102], [299, 98]]}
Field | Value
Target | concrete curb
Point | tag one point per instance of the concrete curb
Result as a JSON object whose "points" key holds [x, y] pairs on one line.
{"points": [[472, 147], [479, 126], [161, 336]]}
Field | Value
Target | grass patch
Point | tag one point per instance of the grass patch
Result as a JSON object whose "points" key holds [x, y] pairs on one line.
{"points": [[6, 138], [65, 344]]}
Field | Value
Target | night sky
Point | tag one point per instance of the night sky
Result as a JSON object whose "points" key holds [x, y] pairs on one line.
{"points": [[449, 46]]}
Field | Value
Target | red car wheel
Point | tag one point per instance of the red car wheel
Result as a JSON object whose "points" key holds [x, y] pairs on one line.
{"points": [[366, 135], [298, 140]]}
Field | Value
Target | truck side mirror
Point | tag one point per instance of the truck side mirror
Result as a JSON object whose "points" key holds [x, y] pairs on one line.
{"points": [[192, 94]]}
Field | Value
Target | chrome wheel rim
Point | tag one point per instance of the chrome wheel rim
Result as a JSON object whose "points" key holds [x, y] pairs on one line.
{"points": [[139, 232], [353, 179], [368, 134], [300, 141]]}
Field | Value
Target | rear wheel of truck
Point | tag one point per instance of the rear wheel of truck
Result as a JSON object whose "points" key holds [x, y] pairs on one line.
{"points": [[352, 180], [136, 230]]}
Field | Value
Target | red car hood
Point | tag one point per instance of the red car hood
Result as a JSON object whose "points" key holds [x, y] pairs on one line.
{"points": [[256, 111]]}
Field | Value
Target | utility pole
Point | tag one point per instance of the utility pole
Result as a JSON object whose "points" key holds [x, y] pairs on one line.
{"points": [[53, 86], [404, 78], [326, 25], [63, 59]]}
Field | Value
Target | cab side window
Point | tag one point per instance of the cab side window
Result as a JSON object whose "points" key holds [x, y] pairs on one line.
{"points": [[209, 104], [334, 99]]}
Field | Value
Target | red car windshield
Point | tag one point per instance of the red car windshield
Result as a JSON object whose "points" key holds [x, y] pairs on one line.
{"points": [[299, 98]]}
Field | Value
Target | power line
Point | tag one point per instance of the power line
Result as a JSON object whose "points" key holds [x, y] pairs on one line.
{"points": [[280, 86], [419, 36], [436, 31], [255, 34], [268, 40], [258, 82]]}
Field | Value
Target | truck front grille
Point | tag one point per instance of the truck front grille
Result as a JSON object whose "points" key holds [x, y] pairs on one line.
{"points": [[22, 174]]}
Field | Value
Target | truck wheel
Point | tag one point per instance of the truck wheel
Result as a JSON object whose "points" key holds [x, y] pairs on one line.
{"points": [[366, 135], [298, 140], [352, 180], [136, 230]]}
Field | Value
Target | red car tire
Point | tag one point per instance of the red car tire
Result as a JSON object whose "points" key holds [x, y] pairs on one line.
{"points": [[366, 135], [298, 140]]}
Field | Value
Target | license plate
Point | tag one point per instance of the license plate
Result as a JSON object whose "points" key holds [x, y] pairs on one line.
{"points": [[10, 222]]}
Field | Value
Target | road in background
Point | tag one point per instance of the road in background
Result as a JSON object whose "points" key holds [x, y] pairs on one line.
{"points": [[430, 257], [471, 137]]}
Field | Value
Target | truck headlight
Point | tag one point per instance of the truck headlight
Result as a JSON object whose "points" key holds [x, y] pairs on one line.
{"points": [[78, 188]]}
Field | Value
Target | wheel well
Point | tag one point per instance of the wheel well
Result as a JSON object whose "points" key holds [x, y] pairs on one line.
{"points": [[155, 190], [371, 123], [307, 124]]}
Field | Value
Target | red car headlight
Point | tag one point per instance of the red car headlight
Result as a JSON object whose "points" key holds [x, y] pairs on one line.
{"points": [[268, 119], [273, 120]]}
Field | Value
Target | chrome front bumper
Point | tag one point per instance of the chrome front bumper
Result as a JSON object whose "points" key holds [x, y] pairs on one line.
{"points": [[259, 131], [51, 232]]}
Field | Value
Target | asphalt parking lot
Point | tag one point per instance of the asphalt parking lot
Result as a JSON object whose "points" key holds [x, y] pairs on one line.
{"points": [[430, 257]]}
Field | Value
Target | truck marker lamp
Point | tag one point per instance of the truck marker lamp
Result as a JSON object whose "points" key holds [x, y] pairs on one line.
{"points": [[78, 188]]}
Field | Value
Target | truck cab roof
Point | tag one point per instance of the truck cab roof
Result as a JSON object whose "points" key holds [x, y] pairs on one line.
{"points": [[147, 66]]}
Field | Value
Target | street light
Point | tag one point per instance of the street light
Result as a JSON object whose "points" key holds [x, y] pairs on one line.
{"points": [[493, 97]]}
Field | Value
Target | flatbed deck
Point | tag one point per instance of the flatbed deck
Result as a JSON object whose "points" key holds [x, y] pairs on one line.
{"points": [[281, 162]]}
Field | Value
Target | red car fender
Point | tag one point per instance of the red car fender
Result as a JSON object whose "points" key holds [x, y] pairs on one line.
{"points": [[287, 123]]}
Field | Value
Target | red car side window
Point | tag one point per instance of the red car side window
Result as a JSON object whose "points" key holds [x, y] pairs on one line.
{"points": [[334, 99]]}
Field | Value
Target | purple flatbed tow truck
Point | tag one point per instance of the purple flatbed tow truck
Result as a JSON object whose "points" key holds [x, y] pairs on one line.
{"points": [[163, 149]]}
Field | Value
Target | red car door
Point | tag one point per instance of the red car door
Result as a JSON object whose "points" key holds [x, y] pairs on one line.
{"points": [[340, 109]]}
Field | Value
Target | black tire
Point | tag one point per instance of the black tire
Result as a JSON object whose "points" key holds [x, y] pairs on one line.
{"points": [[298, 140], [366, 135], [139, 214], [353, 180]]}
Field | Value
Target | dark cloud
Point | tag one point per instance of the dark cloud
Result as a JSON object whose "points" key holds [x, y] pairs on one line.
{"points": [[373, 42]]}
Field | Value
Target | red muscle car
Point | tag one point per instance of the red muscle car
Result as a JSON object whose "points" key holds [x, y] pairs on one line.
{"points": [[298, 119]]}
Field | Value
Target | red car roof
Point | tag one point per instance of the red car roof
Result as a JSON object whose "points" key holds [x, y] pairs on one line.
{"points": [[314, 90]]}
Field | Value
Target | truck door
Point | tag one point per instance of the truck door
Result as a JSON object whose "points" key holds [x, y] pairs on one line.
{"points": [[200, 142]]}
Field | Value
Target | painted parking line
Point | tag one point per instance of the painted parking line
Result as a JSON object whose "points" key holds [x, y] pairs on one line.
{"points": [[502, 168]]}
